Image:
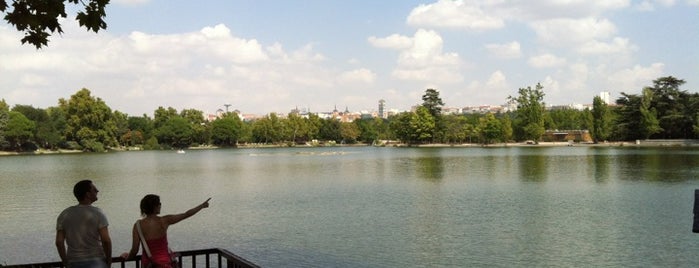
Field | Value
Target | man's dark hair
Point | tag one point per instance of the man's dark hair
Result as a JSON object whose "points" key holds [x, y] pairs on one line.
{"points": [[81, 188], [149, 203]]}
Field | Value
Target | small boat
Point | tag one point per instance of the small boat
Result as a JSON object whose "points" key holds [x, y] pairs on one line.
{"points": [[180, 151]]}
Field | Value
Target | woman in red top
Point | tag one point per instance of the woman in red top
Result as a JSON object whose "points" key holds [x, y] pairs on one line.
{"points": [[154, 230]]}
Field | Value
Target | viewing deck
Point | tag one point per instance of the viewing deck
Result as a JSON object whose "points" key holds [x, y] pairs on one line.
{"points": [[213, 257]]}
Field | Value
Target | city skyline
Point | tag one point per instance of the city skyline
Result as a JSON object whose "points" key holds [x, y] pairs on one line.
{"points": [[270, 56]]}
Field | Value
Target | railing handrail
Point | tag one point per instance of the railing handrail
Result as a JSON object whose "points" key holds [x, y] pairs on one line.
{"points": [[231, 260]]}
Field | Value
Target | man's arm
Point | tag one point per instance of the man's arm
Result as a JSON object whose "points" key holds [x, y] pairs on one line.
{"points": [[61, 246], [106, 244]]}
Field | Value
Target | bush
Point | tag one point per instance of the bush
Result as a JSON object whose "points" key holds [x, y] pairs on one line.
{"points": [[152, 144], [93, 146]]}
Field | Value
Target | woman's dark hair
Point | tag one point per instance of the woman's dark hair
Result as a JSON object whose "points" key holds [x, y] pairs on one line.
{"points": [[81, 188], [149, 203]]}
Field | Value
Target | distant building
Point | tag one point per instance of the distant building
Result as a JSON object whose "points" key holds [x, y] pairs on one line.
{"points": [[382, 106], [604, 95], [567, 135], [573, 106]]}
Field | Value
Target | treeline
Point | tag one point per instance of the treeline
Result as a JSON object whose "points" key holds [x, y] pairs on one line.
{"points": [[85, 122]]}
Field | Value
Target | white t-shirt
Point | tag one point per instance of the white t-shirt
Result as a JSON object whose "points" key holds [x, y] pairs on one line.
{"points": [[81, 224]]}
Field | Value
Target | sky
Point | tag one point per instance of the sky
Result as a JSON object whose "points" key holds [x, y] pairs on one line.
{"points": [[265, 56]]}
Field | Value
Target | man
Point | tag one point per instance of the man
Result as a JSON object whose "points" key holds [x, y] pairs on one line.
{"points": [[83, 228]]}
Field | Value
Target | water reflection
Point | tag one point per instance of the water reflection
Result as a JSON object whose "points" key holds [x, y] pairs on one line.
{"points": [[430, 168], [533, 167], [600, 165]]}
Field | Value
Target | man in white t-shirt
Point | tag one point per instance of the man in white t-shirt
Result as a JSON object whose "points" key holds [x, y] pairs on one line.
{"points": [[83, 228]]}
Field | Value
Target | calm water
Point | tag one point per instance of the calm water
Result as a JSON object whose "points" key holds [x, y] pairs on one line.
{"points": [[379, 207]]}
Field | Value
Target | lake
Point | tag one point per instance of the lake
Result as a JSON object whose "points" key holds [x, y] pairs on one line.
{"points": [[379, 207]]}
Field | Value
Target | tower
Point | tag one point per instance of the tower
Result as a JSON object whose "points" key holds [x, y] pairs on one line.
{"points": [[382, 106]]}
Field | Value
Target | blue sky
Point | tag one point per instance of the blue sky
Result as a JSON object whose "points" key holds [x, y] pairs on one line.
{"points": [[273, 56]]}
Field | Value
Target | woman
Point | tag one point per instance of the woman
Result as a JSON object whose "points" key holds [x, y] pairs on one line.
{"points": [[154, 229]]}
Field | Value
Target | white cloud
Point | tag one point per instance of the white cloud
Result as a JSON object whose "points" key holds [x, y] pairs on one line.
{"points": [[394, 41], [645, 6], [564, 32], [510, 50], [552, 9], [666, 3], [421, 57], [616, 46], [578, 78], [138, 72], [631, 80], [484, 15], [497, 81], [359, 75], [466, 15], [425, 60], [546, 61], [649, 5]]}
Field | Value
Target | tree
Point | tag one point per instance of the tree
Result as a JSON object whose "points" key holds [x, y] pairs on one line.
{"points": [[36, 18], [529, 117], [19, 130], [88, 121], [636, 118], [490, 129], [506, 127], [330, 130], [177, 132], [121, 125], [422, 124], [649, 120], [566, 118], [672, 105], [196, 119], [600, 120], [57, 121], [349, 132], [267, 129], [433, 103], [141, 124], [458, 129], [4, 116], [162, 115], [628, 120], [400, 126], [297, 128], [226, 131]]}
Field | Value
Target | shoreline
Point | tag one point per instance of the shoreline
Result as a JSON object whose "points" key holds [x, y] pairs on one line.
{"points": [[644, 143]]}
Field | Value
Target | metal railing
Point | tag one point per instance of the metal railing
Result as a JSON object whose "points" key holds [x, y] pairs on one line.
{"points": [[213, 257]]}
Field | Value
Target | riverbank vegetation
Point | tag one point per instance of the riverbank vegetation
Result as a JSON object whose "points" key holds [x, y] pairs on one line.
{"points": [[86, 123]]}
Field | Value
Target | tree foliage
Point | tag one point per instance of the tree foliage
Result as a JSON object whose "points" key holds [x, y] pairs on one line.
{"points": [[491, 129], [227, 131], [176, 132], [4, 117], [19, 130], [529, 118], [88, 121], [432, 102], [600, 120], [38, 19]]}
